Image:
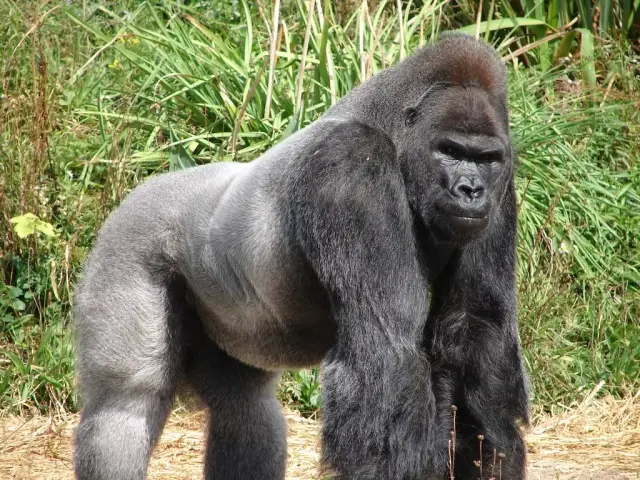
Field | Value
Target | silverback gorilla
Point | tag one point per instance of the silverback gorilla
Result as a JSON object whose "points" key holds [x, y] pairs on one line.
{"points": [[378, 240]]}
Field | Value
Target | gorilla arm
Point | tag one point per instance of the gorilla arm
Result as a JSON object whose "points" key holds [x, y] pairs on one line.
{"points": [[353, 222], [472, 340]]}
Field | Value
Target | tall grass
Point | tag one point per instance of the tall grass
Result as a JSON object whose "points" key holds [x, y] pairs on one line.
{"points": [[146, 87], [195, 91], [35, 272]]}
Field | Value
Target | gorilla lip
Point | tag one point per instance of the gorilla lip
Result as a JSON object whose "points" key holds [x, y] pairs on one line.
{"points": [[468, 223]]}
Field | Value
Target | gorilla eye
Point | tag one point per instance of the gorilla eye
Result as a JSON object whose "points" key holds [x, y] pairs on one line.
{"points": [[489, 157], [451, 151]]}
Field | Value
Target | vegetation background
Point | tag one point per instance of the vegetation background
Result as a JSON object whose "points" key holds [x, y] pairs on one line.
{"points": [[95, 96]]}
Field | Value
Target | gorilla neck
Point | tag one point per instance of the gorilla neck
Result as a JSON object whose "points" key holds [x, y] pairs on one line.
{"points": [[434, 255]]}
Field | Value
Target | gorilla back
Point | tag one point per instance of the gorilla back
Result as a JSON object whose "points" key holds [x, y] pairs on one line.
{"points": [[322, 250]]}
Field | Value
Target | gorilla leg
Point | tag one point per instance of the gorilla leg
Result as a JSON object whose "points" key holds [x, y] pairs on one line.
{"points": [[128, 361], [117, 433], [247, 431]]}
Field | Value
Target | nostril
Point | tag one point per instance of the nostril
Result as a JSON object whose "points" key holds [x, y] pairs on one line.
{"points": [[465, 190], [478, 191]]}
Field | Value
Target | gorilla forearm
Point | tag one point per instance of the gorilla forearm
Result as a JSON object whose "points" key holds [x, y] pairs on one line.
{"points": [[491, 399], [378, 419], [378, 404]]}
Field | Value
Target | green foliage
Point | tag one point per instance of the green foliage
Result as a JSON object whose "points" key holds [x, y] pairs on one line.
{"points": [[604, 17], [36, 348], [29, 224], [96, 99], [301, 390], [577, 168], [500, 24]]}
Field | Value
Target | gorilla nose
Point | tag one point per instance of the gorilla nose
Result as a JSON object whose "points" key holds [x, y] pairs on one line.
{"points": [[468, 189]]}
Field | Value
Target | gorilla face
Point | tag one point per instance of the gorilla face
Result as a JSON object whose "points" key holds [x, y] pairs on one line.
{"points": [[456, 160]]}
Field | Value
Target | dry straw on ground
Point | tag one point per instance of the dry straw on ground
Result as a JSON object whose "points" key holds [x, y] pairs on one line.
{"points": [[598, 440]]}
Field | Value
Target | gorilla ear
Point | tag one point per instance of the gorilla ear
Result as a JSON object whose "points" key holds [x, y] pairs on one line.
{"points": [[410, 116]]}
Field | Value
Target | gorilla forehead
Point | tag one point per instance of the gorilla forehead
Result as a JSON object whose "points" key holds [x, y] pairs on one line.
{"points": [[468, 110]]}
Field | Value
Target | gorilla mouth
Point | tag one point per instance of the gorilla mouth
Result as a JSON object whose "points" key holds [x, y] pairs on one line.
{"points": [[468, 224]]}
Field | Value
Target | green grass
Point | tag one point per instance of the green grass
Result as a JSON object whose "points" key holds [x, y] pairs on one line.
{"points": [[95, 100]]}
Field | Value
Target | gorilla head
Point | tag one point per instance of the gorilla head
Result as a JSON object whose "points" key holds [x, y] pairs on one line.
{"points": [[454, 149]]}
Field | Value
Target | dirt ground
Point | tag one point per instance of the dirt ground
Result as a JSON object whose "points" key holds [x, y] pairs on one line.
{"points": [[598, 440]]}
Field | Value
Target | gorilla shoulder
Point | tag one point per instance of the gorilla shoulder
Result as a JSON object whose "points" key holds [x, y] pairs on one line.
{"points": [[341, 161]]}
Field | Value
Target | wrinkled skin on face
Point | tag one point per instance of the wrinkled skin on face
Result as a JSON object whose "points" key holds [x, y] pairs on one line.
{"points": [[456, 159]]}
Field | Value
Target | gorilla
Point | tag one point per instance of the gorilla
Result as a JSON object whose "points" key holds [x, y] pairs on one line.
{"points": [[379, 240]]}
